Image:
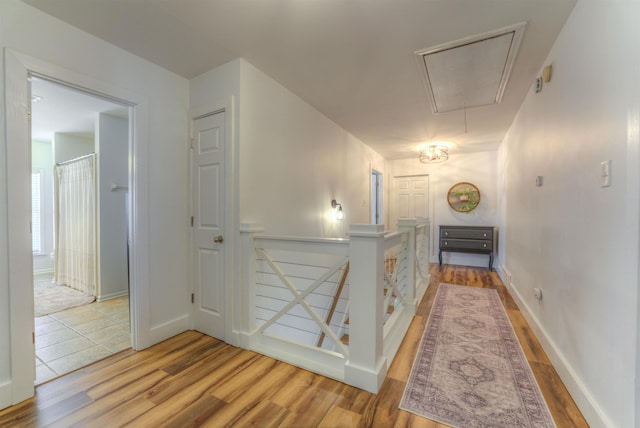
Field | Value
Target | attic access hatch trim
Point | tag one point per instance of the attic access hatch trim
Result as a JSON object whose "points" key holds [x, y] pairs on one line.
{"points": [[470, 72]]}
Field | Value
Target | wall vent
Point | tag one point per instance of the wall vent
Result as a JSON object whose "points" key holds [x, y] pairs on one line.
{"points": [[470, 72]]}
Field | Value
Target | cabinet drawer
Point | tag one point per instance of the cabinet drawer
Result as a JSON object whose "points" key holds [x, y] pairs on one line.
{"points": [[464, 244], [467, 233]]}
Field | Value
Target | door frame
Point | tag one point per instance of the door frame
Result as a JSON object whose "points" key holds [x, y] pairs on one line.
{"points": [[232, 293], [379, 198], [17, 69]]}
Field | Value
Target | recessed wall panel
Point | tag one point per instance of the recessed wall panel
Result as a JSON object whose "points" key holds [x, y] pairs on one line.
{"points": [[209, 140], [208, 188], [210, 296]]}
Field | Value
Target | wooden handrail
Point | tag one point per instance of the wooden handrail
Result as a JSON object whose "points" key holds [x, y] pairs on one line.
{"points": [[336, 297]]}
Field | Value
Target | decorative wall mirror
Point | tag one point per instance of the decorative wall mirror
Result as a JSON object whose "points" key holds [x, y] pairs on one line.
{"points": [[463, 197]]}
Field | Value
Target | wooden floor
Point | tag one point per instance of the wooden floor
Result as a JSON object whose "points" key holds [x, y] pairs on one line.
{"points": [[194, 380]]}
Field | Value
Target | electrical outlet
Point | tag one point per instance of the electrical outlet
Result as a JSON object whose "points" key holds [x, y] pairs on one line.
{"points": [[538, 85]]}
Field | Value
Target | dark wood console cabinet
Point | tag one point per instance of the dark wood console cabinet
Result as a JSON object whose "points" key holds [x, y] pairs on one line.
{"points": [[469, 239]]}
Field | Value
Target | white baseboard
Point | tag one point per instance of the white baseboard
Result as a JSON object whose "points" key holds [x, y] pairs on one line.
{"points": [[112, 296], [168, 329], [6, 394], [365, 378], [579, 392], [327, 363]]}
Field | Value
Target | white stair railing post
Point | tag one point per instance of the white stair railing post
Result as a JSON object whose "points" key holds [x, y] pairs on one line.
{"points": [[367, 365], [244, 319], [408, 225]]}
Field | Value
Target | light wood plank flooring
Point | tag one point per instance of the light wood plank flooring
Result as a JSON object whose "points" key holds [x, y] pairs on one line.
{"points": [[194, 380]]}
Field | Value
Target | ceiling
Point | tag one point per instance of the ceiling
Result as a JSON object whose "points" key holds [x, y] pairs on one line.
{"points": [[353, 60], [60, 109]]}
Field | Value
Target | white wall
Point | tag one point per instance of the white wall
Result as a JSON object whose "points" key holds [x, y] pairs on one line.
{"points": [[479, 168], [70, 146], [42, 159], [40, 36], [112, 147], [215, 85], [294, 161], [575, 240]]}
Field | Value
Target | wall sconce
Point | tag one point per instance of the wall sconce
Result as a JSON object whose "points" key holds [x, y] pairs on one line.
{"points": [[339, 213]]}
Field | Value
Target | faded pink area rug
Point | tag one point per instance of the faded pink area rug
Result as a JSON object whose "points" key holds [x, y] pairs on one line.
{"points": [[470, 370]]}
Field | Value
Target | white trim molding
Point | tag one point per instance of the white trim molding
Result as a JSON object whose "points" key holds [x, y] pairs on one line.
{"points": [[17, 68]]}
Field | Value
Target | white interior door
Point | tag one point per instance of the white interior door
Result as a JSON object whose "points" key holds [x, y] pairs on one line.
{"points": [[208, 224], [412, 196]]}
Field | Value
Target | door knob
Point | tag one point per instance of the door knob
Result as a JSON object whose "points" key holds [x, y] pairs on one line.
{"points": [[218, 239]]}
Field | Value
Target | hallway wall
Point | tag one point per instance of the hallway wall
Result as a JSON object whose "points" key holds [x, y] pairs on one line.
{"points": [[572, 238], [295, 160]]}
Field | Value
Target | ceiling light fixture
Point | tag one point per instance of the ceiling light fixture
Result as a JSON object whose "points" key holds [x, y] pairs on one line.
{"points": [[434, 154]]}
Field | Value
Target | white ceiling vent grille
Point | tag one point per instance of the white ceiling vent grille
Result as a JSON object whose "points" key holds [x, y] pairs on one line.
{"points": [[470, 72]]}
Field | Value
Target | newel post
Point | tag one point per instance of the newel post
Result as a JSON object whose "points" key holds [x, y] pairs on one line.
{"points": [[245, 294], [367, 366], [408, 225]]}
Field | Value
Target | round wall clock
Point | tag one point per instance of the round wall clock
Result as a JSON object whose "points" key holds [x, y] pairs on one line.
{"points": [[463, 197]]}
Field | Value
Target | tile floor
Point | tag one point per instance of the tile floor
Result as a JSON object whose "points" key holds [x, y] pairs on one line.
{"points": [[76, 337]]}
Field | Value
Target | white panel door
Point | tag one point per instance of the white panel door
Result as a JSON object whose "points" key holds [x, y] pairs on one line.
{"points": [[412, 196], [208, 224]]}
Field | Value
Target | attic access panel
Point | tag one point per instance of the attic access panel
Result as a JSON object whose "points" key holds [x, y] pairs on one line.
{"points": [[470, 72]]}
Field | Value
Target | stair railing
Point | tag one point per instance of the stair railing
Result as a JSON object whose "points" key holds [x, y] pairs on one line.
{"points": [[334, 303], [287, 282]]}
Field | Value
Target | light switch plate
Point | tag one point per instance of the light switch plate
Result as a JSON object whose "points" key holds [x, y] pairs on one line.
{"points": [[605, 173]]}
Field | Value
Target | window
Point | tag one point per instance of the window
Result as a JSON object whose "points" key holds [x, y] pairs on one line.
{"points": [[36, 212]]}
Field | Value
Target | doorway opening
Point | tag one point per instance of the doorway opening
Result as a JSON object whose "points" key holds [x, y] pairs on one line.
{"points": [[376, 197], [80, 227]]}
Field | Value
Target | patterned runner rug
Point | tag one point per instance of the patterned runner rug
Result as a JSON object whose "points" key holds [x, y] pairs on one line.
{"points": [[470, 370]]}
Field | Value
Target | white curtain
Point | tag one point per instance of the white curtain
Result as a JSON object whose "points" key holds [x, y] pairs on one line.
{"points": [[75, 224]]}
